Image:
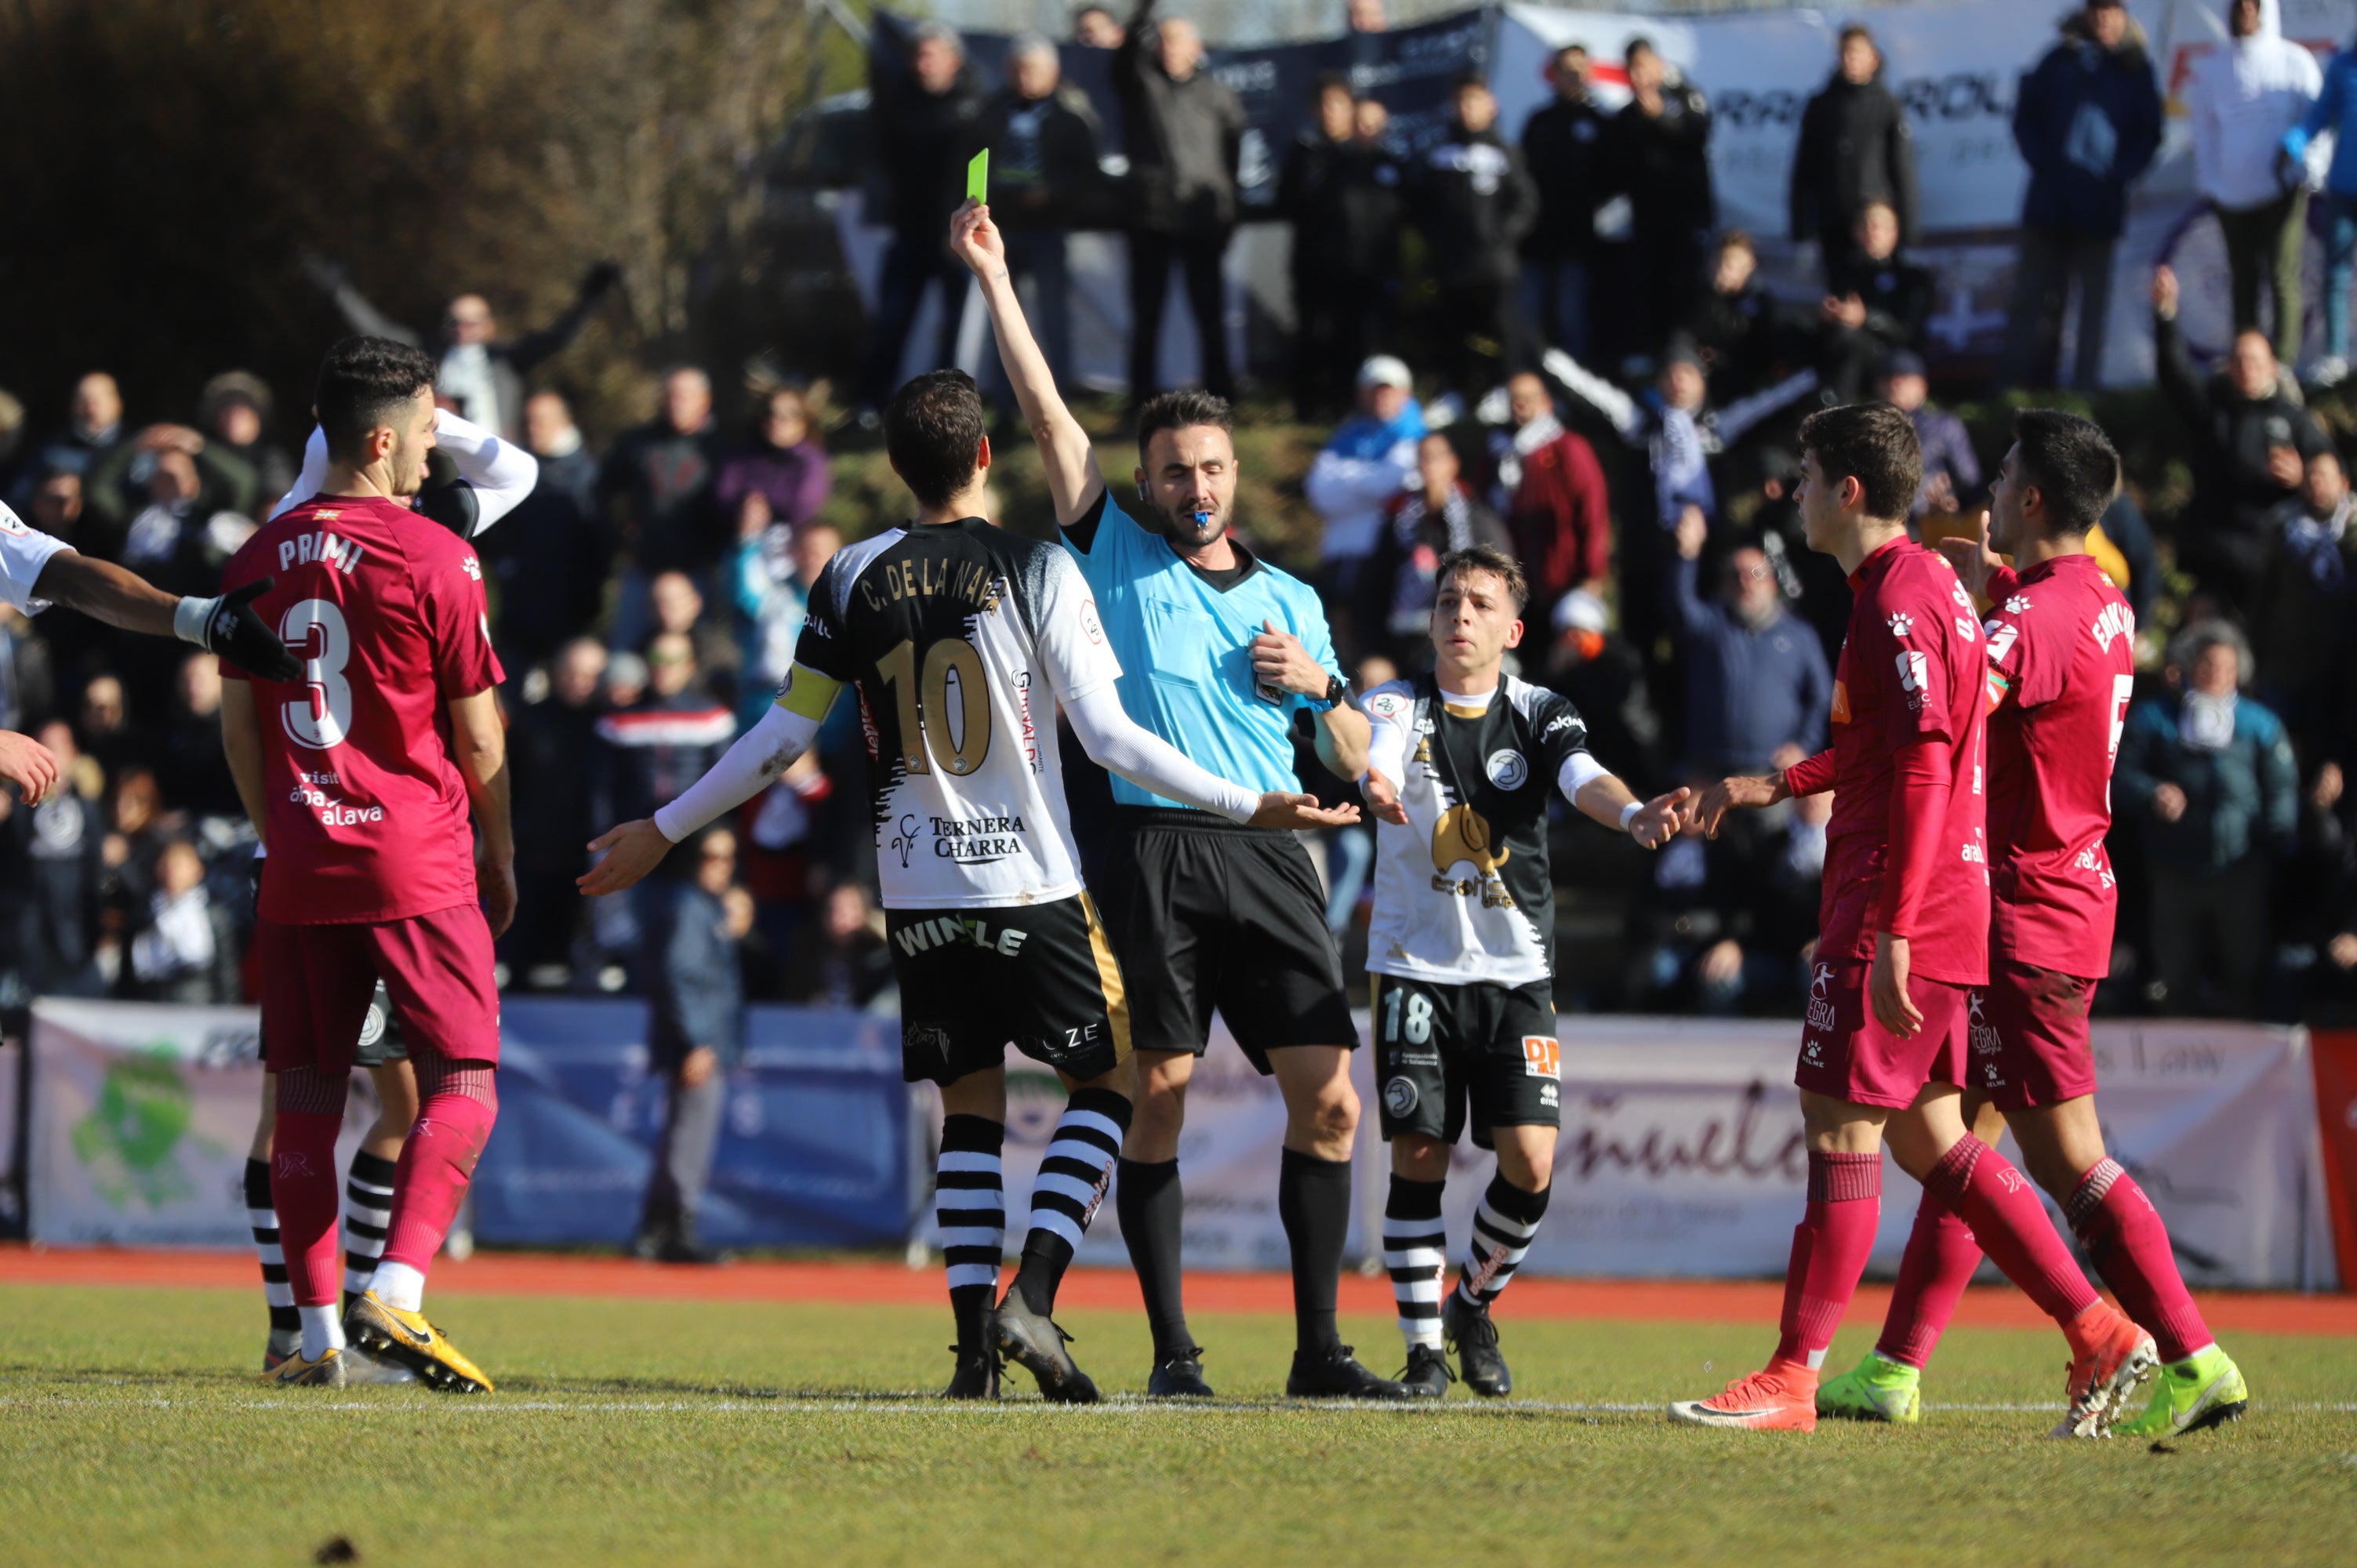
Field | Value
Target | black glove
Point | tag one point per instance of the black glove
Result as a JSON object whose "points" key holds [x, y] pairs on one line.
{"points": [[601, 277], [233, 631]]}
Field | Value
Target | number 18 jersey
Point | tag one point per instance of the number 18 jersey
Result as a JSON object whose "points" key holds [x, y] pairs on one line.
{"points": [[958, 638], [367, 813]]}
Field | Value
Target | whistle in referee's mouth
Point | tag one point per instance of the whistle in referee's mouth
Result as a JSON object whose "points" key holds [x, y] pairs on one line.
{"points": [[1202, 521]]}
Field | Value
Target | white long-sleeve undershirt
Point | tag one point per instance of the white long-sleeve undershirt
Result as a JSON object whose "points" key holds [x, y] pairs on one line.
{"points": [[500, 472]]}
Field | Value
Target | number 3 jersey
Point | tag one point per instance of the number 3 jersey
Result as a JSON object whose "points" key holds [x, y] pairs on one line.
{"points": [[958, 640], [367, 811], [1463, 891]]}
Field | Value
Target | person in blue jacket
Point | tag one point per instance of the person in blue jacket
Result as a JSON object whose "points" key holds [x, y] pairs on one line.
{"points": [[2088, 122], [2335, 110]]}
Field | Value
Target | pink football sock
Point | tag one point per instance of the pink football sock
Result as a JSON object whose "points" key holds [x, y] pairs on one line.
{"points": [[2123, 1232], [457, 1103], [1932, 1274], [1829, 1252], [2010, 1224], [303, 1185]]}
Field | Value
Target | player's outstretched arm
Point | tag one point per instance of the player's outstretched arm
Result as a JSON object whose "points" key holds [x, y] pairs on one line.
{"points": [[1118, 745], [29, 764], [480, 744], [1604, 800], [759, 759], [226, 625], [1074, 478]]}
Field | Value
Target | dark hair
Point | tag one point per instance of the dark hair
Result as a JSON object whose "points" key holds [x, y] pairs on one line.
{"points": [[1579, 50], [2072, 462], [1486, 558], [1468, 80], [1327, 82], [362, 381], [1178, 409], [933, 433], [1638, 46], [1874, 444], [1738, 239], [1858, 30]]}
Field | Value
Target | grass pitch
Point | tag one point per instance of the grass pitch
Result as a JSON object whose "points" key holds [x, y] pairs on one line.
{"points": [[636, 1431]]}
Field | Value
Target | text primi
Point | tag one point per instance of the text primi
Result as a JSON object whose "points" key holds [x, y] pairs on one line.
{"points": [[305, 547]]}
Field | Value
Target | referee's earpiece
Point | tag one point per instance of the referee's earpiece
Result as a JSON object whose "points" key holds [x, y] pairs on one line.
{"points": [[1142, 498]]}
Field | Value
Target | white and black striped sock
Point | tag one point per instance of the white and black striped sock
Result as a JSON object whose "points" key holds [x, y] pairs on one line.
{"points": [[1074, 1178], [1503, 1228], [970, 1207], [285, 1324], [1416, 1250], [368, 1209]]}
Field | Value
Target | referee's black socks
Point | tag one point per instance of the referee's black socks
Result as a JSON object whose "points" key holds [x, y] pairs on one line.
{"points": [[1313, 1199], [1152, 1210], [1072, 1183]]}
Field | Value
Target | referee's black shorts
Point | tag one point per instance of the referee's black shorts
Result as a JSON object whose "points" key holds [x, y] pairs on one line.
{"points": [[1207, 914]]}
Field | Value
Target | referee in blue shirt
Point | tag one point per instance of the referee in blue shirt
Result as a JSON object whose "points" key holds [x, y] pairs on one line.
{"points": [[1218, 651]]}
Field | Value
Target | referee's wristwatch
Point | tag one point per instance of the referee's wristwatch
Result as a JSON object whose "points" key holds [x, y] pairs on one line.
{"points": [[1337, 693]]}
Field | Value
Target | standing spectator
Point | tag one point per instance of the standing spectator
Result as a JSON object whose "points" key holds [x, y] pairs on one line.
{"points": [[923, 125], [1876, 308], [2088, 122], [28, 683], [678, 606], [2242, 100], [1367, 17], [1471, 198], [781, 477], [183, 948], [1043, 142], [1951, 470], [1743, 333], [2250, 444], [1370, 458], [1183, 130], [2335, 110], [1552, 492], [767, 592], [550, 557], [481, 373], [1439, 514], [233, 415], [666, 740], [190, 762], [93, 426], [1340, 193], [1565, 148], [1856, 148], [1662, 161], [2301, 622], [1093, 27], [180, 478], [1604, 678], [2209, 775], [548, 742], [53, 854], [1757, 685], [696, 992], [657, 485]]}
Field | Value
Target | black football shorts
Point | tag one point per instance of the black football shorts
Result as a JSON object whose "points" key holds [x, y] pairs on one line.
{"points": [[1443, 1049]]}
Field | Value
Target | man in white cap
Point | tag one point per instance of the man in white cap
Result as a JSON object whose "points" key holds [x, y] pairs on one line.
{"points": [[1368, 462]]}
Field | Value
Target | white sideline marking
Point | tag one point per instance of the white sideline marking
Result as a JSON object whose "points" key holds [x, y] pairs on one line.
{"points": [[917, 1405]]}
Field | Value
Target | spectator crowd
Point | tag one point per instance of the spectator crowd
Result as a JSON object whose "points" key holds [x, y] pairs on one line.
{"points": [[1536, 336]]}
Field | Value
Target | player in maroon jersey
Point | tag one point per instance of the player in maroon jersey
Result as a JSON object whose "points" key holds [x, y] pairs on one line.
{"points": [[2061, 669], [360, 778], [1903, 939]]}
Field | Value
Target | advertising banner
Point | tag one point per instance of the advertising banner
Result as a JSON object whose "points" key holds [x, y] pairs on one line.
{"points": [[142, 1115], [2336, 1122], [1681, 1154]]}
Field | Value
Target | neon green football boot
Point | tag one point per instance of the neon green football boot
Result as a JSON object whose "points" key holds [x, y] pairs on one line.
{"points": [[1877, 1388], [2206, 1389]]}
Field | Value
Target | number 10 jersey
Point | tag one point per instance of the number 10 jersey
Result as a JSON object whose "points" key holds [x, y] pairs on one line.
{"points": [[368, 815], [958, 640]]}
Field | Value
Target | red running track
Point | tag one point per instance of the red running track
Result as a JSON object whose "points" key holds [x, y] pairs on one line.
{"points": [[867, 1282]]}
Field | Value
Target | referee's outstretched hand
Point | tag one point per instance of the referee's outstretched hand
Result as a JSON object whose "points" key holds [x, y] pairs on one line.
{"points": [[631, 850], [1280, 810]]}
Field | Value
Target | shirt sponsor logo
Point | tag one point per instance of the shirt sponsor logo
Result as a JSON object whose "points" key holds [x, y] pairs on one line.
{"points": [[976, 841], [951, 930], [925, 1039], [1561, 721], [1841, 703], [1820, 1003], [1542, 1057], [2001, 639], [1982, 1034], [1914, 677], [1507, 770], [1461, 835]]}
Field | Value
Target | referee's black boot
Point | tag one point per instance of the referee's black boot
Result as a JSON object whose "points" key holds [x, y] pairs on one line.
{"points": [[1332, 1373], [976, 1377], [1033, 1342], [1427, 1376], [1179, 1375], [1475, 1337]]}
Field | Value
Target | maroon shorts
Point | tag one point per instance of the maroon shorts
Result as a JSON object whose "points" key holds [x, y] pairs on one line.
{"points": [[316, 981], [1846, 1055], [2029, 1037]]}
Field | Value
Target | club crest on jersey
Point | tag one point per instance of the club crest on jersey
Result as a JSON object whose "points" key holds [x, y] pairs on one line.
{"points": [[1399, 1097], [1507, 770]]}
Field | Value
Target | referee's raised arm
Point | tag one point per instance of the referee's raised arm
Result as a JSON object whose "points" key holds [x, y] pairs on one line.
{"points": [[1073, 479]]}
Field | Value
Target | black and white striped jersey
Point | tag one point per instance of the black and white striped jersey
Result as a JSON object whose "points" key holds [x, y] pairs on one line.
{"points": [[1463, 892], [959, 638]]}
